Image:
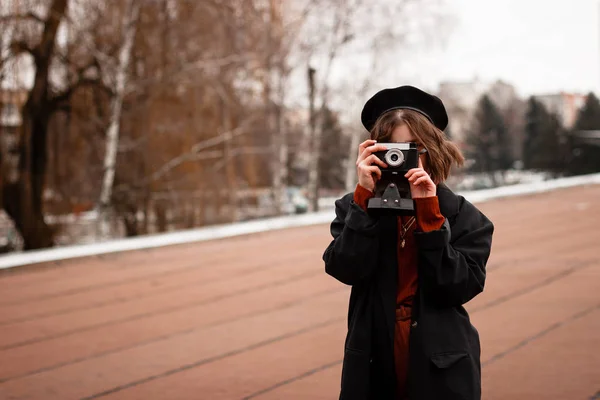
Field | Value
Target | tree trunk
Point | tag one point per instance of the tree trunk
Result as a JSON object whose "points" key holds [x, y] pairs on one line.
{"points": [[23, 198], [112, 134], [350, 180], [161, 216], [280, 177], [276, 72], [313, 164], [23, 191], [229, 197], [130, 223]]}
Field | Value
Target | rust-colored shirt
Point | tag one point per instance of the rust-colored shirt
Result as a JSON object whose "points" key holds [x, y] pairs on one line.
{"points": [[428, 218]]}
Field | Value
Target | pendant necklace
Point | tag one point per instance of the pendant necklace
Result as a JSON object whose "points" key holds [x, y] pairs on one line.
{"points": [[405, 229]]}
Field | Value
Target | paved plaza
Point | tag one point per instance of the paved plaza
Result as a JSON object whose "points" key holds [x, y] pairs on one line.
{"points": [[256, 317]]}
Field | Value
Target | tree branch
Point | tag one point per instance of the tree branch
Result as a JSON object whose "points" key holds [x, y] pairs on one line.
{"points": [[16, 17], [192, 154], [241, 151], [197, 148], [46, 44], [21, 46], [65, 95], [81, 81], [208, 64]]}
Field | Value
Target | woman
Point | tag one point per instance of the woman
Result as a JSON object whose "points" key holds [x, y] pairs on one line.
{"points": [[409, 336]]}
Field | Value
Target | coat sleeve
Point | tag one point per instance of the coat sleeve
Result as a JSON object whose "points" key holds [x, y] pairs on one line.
{"points": [[452, 263], [351, 256]]}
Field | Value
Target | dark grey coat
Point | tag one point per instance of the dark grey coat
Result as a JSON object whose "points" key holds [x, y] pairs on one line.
{"points": [[444, 346]]}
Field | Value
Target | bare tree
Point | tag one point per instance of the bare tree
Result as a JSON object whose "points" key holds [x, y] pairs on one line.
{"points": [[371, 30], [339, 36], [22, 192], [278, 72], [178, 111], [129, 23]]}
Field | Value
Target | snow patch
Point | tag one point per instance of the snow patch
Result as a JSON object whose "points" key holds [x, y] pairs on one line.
{"points": [[244, 228]]}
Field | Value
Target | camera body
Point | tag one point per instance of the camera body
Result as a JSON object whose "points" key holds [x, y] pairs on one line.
{"points": [[392, 191], [399, 157]]}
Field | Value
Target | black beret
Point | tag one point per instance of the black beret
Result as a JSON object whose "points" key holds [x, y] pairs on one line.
{"points": [[407, 97]]}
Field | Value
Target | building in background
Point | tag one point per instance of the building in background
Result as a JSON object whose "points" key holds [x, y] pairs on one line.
{"points": [[461, 98], [565, 105], [503, 94]]}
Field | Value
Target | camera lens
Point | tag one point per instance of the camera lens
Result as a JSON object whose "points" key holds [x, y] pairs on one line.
{"points": [[394, 158]]}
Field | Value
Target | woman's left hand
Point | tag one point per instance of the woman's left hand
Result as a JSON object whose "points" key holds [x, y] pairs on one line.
{"points": [[421, 184]]}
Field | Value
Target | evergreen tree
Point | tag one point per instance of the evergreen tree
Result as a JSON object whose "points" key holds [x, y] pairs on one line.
{"points": [[334, 153], [584, 157], [555, 145], [514, 121], [488, 143], [589, 115], [542, 148]]}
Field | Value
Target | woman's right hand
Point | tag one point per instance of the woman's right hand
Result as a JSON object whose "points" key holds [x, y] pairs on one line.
{"points": [[367, 164]]}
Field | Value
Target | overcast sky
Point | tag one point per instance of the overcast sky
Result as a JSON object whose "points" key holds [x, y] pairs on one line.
{"points": [[540, 46]]}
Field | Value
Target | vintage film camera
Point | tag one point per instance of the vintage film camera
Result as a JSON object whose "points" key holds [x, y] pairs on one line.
{"points": [[392, 191]]}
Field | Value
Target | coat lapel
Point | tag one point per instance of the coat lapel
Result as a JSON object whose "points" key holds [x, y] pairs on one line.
{"points": [[388, 276]]}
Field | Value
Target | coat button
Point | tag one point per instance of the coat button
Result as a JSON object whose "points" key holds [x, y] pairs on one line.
{"points": [[414, 324]]}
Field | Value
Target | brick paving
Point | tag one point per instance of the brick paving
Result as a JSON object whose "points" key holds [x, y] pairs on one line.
{"points": [[256, 317]]}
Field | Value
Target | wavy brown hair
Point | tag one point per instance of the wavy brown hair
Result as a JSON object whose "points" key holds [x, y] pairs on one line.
{"points": [[441, 152]]}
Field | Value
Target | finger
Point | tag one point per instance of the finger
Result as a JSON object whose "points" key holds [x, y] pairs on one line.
{"points": [[376, 172], [412, 172], [377, 160], [420, 162], [364, 145], [372, 172], [421, 180], [419, 175], [366, 169], [416, 176], [374, 160], [362, 154], [367, 142], [372, 149]]}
